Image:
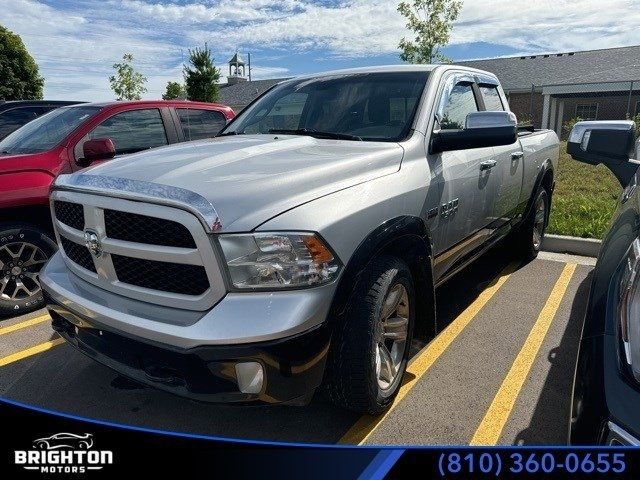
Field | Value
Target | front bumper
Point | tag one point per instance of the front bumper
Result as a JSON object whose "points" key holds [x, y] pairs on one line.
{"points": [[194, 354], [293, 367]]}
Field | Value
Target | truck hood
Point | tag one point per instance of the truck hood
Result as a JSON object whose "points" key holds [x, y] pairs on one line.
{"points": [[249, 179]]}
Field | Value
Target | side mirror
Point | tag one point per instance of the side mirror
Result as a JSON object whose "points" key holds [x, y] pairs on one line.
{"points": [[612, 143], [97, 149], [482, 129]]}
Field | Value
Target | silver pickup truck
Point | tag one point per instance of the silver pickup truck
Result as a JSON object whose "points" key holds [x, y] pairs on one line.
{"points": [[302, 246]]}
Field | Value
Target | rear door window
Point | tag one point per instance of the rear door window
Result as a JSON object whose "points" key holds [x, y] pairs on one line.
{"points": [[132, 131], [491, 97], [199, 123]]}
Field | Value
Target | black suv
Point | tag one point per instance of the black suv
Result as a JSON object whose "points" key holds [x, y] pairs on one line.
{"points": [[16, 113], [606, 391]]}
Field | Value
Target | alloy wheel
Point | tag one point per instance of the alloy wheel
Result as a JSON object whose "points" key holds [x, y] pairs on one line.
{"points": [[392, 337], [539, 220], [20, 264]]}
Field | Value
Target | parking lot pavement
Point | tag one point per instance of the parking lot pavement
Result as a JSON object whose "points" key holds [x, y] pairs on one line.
{"points": [[500, 371]]}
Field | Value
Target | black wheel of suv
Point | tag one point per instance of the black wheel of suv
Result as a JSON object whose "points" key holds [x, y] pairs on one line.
{"points": [[531, 234], [24, 249], [371, 346]]}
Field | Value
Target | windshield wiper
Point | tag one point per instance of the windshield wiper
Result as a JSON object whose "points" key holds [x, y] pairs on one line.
{"points": [[316, 133], [226, 134]]}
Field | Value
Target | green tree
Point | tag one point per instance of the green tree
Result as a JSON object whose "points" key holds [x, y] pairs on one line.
{"points": [[431, 22], [201, 77], [19, 76], [127, 84], [174, 91]]}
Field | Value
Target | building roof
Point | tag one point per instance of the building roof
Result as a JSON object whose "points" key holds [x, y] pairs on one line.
{"points": [[239, 95], [607, 65]]}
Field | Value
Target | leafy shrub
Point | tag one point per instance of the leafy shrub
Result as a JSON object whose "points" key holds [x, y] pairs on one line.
{"points": [[569, 124]]}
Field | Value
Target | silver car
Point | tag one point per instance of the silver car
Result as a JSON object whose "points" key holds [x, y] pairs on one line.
{"points": [[303, 245]]}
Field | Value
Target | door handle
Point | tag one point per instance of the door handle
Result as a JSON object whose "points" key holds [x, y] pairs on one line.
{"points": [[517, 155], [488, 164]]}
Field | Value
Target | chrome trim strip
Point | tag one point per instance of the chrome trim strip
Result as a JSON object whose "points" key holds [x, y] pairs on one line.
{"points": [[159, 253], [70, 233], [143, 191], [623, 434]]}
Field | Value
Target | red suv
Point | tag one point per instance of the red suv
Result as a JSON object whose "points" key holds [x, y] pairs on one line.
{"points": [[63, 141]]}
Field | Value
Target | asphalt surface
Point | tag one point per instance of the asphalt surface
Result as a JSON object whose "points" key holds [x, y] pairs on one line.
{"points": [[455, 384]]}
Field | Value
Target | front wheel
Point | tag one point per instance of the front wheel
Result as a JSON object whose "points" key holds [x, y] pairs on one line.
{"points": [[24, 249], [371, 346]]}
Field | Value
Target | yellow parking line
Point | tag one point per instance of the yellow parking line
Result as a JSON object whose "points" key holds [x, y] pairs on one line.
{"points": [[43, 347], [490, 429], [25, 324], [366, 425]]}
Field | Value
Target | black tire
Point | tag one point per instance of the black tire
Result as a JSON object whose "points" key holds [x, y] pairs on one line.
{"points": [[528, 238], [352, 376], [39, 247]]}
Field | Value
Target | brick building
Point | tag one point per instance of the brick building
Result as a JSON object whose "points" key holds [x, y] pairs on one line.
{"points": [[551, 89]]}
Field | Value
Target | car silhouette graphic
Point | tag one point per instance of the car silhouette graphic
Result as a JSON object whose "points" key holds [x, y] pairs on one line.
{"points": [[64, 440]]}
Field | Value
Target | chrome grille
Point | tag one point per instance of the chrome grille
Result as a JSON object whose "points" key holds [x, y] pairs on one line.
{"points": [[134, 227], [165, 276], [153, 253], [71, 214], [78, 254]]}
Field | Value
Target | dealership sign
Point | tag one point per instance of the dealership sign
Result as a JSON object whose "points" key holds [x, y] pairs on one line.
{"points": [[63, 453]]}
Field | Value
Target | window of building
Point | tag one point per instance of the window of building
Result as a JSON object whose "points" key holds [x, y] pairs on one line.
{"points": [[491, 97], [587, 111], [197, 124], [456, 105]]}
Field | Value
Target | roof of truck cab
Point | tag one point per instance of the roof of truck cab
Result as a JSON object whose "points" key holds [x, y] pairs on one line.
{"points": [[393, 69], [377, 69]]}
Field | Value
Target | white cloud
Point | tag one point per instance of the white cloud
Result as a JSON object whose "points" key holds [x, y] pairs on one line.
{"points": [[371, 27], [76, 43], [552, 25], [226, 11]]}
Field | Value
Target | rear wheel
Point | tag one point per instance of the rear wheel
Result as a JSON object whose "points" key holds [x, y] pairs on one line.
{"points": [[531, 234], [371, 346], [24, 249]]}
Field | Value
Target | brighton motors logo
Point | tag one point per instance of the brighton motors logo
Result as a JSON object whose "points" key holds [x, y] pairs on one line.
{"points": [[63, 453]]}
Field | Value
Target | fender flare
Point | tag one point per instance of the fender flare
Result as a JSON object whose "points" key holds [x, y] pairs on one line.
{"points": [[405, 236], [546, 166]]}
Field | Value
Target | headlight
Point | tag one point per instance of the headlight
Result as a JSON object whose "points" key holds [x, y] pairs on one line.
{"points": [[278, 260], [630, 308]]}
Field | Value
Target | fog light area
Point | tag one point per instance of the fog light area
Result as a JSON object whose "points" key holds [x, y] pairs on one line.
{"points": [[250, 377]]}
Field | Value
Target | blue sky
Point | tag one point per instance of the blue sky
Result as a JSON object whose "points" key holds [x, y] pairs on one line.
{"points": [[76, 42]]}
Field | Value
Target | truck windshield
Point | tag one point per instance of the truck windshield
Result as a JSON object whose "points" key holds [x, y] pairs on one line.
{"points": [[47, 131], [368, 106]]}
